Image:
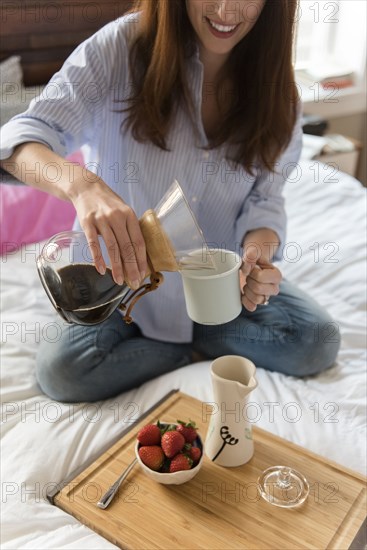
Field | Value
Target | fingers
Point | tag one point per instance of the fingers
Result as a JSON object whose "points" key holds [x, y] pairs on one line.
{"points": [[114, 254], [138, 244], [95, 249], [266, 274], [251, 300], [250, 306], [249, 260], [103, 213], [258, 284], [243, 278], [124, 243], [131, 255], [112, 248]]}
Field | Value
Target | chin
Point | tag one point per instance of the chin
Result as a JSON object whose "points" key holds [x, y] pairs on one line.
{"points": [[218, 48]]}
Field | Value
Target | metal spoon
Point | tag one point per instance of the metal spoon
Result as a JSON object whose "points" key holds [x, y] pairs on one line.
{"points": [[111, 492]]}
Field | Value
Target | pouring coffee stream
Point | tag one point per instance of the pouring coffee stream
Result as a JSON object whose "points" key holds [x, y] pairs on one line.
{"points": [[81, 295]]}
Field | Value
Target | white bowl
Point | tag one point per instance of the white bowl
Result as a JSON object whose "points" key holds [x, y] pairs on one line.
{"points": [[176, 478]]}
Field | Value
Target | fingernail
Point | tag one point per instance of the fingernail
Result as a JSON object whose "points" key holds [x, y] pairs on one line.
{"points": [[120, 280], [101, 269], [135, 284], [142, 275]]}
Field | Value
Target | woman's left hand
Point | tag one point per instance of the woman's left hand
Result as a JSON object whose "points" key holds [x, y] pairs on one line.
{"points": [[259, 281]]}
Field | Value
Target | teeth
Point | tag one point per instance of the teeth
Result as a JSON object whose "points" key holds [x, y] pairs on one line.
{"points": [[222, 28]]}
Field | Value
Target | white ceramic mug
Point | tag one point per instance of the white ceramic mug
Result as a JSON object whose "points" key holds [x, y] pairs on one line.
{"points": [[213, 296]]}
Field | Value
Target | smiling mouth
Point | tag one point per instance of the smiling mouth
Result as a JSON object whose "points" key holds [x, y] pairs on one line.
{"points": [[221, 28]]}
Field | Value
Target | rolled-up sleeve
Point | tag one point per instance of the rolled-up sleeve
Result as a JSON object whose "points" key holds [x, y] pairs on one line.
{"points": [[264, 207], [68, 111]]}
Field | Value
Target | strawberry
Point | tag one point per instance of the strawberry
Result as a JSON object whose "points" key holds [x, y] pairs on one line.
{"points": [[195, 454], [172, 442], [188, 430], [149, 435], [152, 456], [180, 462]]}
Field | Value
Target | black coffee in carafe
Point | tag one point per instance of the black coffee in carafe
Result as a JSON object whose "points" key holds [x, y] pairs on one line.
{"points": [[82, 295]]}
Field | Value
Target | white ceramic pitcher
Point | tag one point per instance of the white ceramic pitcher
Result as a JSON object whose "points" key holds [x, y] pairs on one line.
{"points": [[229, 438]]}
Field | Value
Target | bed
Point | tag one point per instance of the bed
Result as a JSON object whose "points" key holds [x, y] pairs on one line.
{"points": [[44, 441]]}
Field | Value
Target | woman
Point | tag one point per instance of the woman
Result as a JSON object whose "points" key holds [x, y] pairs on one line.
{"points": [[202, 91]]}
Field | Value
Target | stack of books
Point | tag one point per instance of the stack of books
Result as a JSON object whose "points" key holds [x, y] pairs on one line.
{"points": [[328, 75]]}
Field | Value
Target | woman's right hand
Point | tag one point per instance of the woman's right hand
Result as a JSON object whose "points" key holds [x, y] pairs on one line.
{"points": [[102, 212]]}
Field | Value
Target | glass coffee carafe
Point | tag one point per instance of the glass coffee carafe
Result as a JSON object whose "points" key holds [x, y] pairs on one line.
{"points": [[80, 294]]}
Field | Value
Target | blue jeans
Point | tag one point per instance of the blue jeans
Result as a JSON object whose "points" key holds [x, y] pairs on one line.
{"points": [[292, 335]]}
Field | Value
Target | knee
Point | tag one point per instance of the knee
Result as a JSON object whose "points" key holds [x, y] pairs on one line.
{"points": [[316, 350], [61, 373]]}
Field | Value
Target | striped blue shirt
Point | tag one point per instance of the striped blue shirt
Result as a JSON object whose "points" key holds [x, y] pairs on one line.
{"points": [[78, 109]]}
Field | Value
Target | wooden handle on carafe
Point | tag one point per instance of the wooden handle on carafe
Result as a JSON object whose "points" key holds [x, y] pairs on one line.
{"points": [[159, 248]]}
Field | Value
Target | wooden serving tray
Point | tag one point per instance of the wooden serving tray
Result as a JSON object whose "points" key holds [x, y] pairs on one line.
{"points": [[220, 507]]}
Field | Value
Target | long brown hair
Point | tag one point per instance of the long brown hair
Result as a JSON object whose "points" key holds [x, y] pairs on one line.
{"points": [[262, 107]]}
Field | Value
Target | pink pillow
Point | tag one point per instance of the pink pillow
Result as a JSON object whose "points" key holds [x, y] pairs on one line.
{"points": [[28, 215]]}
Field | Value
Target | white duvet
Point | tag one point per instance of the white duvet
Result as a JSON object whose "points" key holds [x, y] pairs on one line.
{"points": [[44, 441]]}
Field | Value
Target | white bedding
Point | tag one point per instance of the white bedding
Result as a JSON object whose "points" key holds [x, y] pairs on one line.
{"points": [[43, 441]]}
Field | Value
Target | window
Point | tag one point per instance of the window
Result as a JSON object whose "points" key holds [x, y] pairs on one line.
{"points": [[331, 38]]}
